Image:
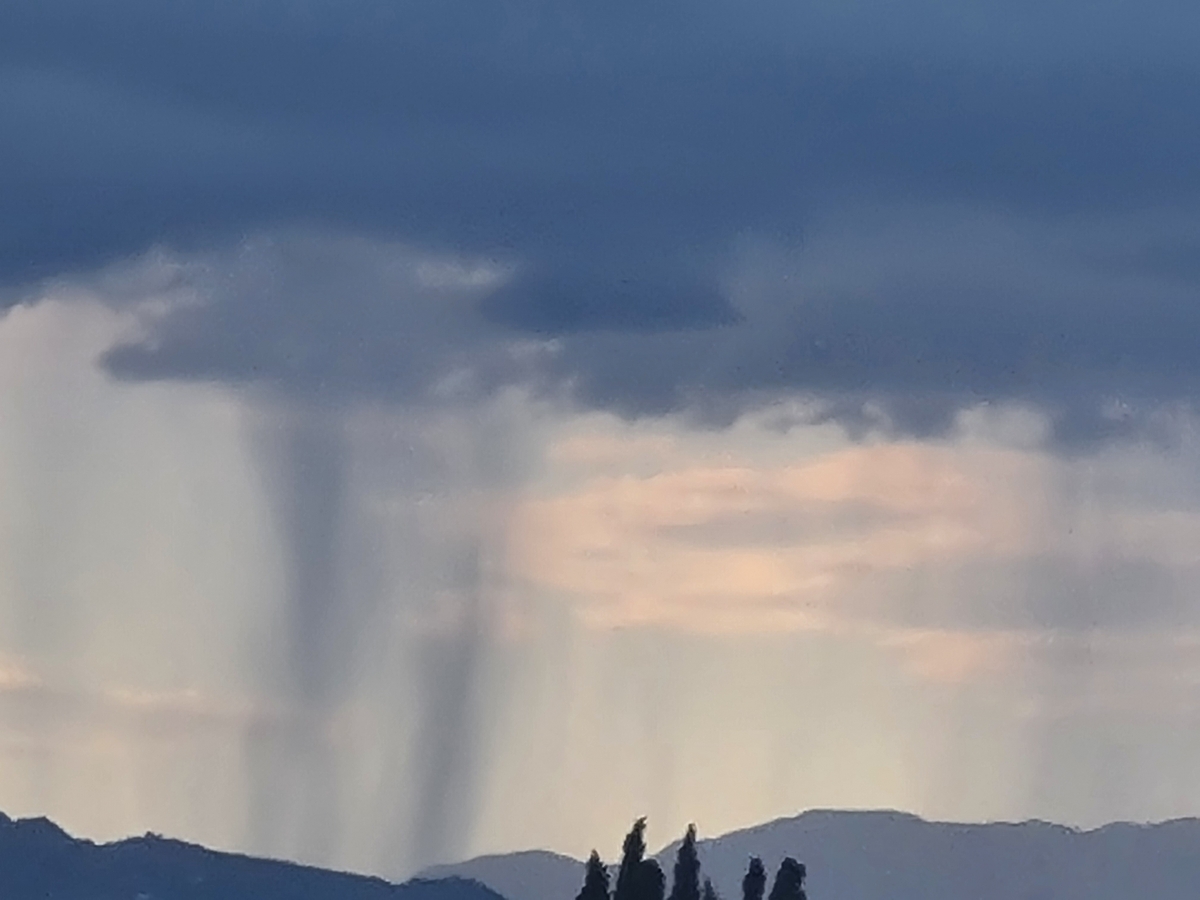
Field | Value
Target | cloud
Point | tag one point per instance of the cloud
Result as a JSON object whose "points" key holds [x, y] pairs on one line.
{"points": [[612, 161], [896, 321], [953, 657], [965, 554], [16, 677], [887, 324], [335, 315], [752, 547]]}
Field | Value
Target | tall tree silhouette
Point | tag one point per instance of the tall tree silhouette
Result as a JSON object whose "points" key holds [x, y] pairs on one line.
{"points": [[755, 881], [632, 855], [595, 882], [687, 869], [649, 881], [789, 881]]}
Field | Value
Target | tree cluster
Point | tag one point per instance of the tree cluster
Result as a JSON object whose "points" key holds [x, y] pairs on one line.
{"points": [[639, 878]]}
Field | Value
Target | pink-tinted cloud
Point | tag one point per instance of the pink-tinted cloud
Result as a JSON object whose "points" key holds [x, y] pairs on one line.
{"points": [[734, 547]]}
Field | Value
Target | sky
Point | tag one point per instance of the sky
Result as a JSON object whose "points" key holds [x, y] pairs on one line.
{"points": [[436, 428]]}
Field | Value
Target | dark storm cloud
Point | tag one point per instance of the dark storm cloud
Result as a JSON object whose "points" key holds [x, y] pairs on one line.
{"points": [[614, 155]]}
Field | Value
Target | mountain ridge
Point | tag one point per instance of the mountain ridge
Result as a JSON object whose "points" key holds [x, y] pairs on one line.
{"points": [[895, 855], [39, 859], [851, 855]]}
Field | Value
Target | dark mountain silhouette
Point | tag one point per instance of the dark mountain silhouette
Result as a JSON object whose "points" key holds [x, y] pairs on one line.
{"points": [[38, 860], [897, 856]]}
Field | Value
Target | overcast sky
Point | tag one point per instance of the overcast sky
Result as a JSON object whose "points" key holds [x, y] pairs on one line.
{"points": [[432, 427]]}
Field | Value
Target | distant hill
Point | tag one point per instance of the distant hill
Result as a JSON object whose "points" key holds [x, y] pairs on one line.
{"points": [[39, 860], [897, 856], [527, 875], [850, 856]]}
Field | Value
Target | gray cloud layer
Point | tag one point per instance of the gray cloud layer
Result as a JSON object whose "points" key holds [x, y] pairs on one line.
{"points": [[615, 157]]}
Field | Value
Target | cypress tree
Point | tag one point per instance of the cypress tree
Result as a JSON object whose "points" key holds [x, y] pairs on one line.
{"points": [[632, 853], [789, 881], [687, 869], [595, 882], [649, 881], [755, 881], [709, 892]]}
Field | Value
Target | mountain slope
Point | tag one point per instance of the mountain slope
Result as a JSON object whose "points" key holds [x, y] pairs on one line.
{"points": [[877, 855], [897, 856], [39, 860], [527, 875]]}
